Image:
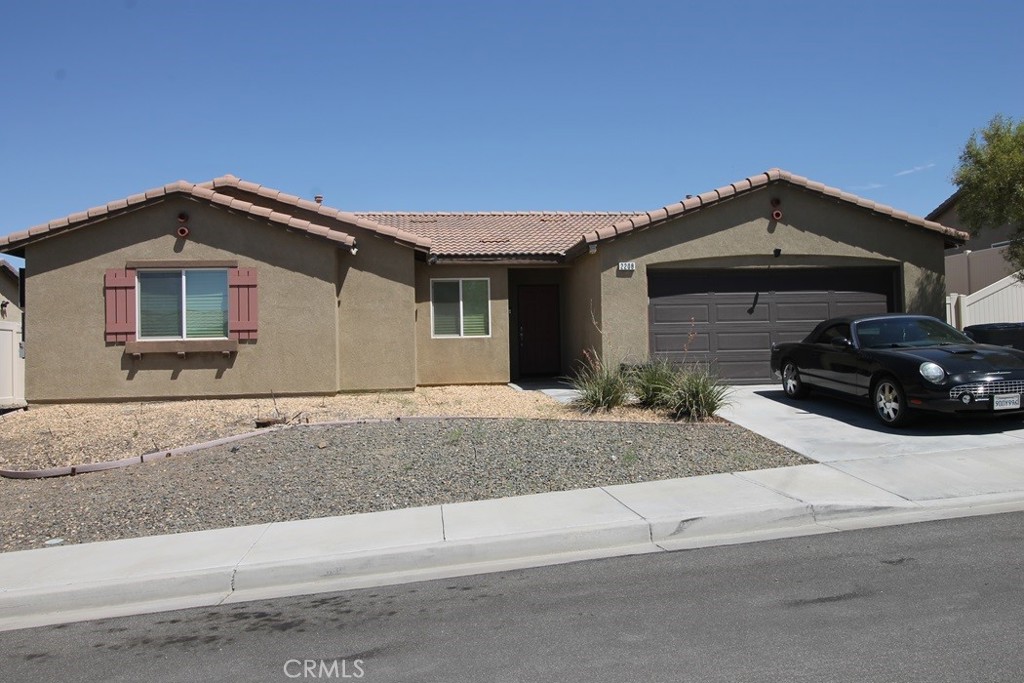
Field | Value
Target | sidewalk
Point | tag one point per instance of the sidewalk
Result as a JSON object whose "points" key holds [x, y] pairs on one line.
{"points": [[95, 580]]}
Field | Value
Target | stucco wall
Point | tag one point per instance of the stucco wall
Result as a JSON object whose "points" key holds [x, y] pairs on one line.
{"points": [[68, 359], [584, 314], [377, 317], [814, 232], [466, 360]]}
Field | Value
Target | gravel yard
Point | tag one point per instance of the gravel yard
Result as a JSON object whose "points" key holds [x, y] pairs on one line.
{"points": [[316, 470]]}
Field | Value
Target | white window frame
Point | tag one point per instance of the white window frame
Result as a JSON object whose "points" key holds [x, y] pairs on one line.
{"points": [[462, 318], [184, 306]]}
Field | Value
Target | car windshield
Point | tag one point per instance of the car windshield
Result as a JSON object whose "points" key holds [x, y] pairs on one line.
{"points": [[887, 333]]}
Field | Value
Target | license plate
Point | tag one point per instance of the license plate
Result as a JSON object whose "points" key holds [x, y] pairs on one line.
{"points": [[1006, 402]]}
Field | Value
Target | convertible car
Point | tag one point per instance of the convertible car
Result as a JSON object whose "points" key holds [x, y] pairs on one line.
{"points": [[903, 364]]}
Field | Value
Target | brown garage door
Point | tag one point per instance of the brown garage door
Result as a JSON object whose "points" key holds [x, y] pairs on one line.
{"points": [[730, 318]]}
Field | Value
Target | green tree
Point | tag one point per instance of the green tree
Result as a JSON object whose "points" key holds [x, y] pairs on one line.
{"points": [[990, 175]]}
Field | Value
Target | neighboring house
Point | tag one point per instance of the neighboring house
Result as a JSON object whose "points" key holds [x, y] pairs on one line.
{"points": [[980, 282], [228, 288], [12, 367], [9, 309]]}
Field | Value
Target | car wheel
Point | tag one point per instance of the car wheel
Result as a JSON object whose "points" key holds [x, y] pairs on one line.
{"points": [[890, 402], [791, 382]]}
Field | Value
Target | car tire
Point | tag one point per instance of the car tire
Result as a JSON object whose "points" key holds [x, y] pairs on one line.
{"points": [[792, 384], [890, 402]]}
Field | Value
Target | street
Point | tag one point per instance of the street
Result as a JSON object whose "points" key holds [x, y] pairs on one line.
{"points": [[939, 601]]}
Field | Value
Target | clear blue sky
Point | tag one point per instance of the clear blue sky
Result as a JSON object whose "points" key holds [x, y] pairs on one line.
{"points": [[478, 105]]}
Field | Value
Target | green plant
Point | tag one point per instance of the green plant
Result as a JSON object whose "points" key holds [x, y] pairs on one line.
{"points": [[696, 394], [599, 385], [651, 382]]}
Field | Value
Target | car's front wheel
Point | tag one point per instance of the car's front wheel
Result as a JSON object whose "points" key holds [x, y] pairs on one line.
{"points": [[890, 402], [791, 382]]}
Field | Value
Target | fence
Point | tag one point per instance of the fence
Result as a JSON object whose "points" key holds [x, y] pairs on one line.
{"points": [[12, 366], [1000, 302]]}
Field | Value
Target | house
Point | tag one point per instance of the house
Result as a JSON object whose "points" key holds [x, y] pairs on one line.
{"points": [[229, 288], [980, 283], [10, 311]]}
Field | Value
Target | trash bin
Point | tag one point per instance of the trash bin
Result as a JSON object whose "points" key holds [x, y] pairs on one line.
{"points": [[1000, 334]]}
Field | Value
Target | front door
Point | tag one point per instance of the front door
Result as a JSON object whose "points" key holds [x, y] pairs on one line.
{"points": [[539, 340]]}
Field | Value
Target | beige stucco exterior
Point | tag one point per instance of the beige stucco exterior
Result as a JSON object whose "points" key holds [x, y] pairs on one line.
{"points": [[465, 360], [68, 359], [739, 233], [335, 319]]}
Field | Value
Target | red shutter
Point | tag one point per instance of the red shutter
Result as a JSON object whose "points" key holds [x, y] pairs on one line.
{"points": [[119, 295], [243, 304]]}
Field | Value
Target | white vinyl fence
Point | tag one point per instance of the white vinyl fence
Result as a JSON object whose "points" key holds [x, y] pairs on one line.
{"points": [[1000, 302], [12, 366]]}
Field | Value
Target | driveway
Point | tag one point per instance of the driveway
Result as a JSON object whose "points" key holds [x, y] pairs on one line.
{"points": [[829, 429]]}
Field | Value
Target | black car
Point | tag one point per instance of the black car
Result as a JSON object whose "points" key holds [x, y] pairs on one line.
{"points": [[903, 364]]}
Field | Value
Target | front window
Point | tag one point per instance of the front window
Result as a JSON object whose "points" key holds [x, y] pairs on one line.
{"points": [[460, 308], [183, 304]]}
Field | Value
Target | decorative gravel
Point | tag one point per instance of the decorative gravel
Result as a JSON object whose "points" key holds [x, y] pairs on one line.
{"points": [[317, 471]]}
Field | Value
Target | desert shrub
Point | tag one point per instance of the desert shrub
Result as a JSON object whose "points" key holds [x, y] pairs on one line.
{"points": [[696, 394], [599, 385], [651, 382]]}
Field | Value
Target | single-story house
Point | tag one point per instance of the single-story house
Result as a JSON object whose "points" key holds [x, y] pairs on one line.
{"points": [[229, 288]]}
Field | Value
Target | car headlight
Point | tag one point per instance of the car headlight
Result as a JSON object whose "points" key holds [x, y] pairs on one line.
{"points": [[932, 372]]}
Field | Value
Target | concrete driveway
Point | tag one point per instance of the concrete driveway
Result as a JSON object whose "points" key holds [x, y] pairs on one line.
{"points": [[830, 429]]}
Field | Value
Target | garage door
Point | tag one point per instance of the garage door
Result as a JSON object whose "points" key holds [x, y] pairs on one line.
{"points": [[730, 318]]}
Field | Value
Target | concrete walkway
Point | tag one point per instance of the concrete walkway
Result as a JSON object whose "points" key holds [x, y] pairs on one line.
{"points": [[854, 485]]}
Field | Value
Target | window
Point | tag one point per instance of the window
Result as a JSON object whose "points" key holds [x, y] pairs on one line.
{"points": [[460, 308], [183, 304]]}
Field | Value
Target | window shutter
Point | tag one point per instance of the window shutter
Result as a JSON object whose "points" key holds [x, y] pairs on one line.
{"points": [[119, 296], [243, 305]]}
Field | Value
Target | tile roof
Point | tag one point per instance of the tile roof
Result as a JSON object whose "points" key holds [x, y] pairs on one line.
{"points": [[229, 181], [181, 187], [510, 235], [695, 203], [496, 235]]}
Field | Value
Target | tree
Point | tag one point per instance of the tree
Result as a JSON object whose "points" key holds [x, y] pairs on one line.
{"points": [[990, 177]]}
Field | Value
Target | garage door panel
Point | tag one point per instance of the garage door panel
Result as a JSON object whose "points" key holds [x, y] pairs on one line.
{"points": [[743, 341], [729, 319], [682, 313], [802, 311], [667, 343], [743, 312]]}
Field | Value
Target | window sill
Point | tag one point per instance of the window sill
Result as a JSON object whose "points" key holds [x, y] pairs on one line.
{"points": [[182, 347]]}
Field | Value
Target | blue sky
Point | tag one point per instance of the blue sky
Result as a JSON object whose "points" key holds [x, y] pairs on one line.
{"points": [[478, 105]]}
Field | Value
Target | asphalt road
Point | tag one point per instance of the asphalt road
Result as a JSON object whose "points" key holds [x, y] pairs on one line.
{"points": [[940, 601]]}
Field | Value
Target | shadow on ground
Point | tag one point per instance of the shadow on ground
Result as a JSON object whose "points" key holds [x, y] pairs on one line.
{"points": [[859, 414]]}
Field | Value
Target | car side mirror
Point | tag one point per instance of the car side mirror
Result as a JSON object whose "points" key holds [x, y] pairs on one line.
{"points": [[842, 343]]}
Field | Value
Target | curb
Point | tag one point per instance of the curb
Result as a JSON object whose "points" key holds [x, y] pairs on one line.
{"points": [[238, 581]]}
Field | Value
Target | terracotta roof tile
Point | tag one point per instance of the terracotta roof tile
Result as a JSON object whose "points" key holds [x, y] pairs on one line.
{"points": [[500, 234], [203, 191], [760, 180]]}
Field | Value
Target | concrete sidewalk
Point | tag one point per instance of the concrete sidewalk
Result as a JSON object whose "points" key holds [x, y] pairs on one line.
{"points": [[95, 580]]}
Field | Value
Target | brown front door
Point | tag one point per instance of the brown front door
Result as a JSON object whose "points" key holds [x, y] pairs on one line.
{"points": [[539, 341]]}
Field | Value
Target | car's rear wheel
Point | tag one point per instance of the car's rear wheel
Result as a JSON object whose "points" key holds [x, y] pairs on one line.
{"points": [[890, 402], [791, 382]]}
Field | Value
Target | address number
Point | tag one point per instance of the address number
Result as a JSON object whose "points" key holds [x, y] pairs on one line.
{"points": [[627, 265]]}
